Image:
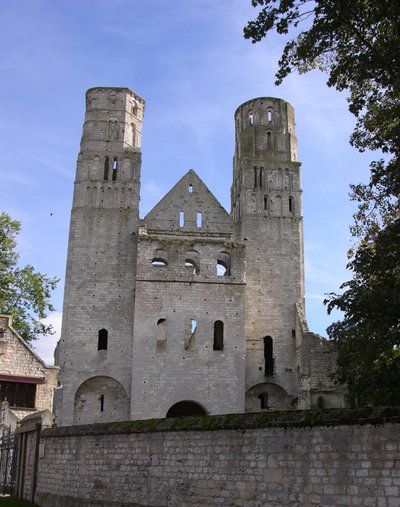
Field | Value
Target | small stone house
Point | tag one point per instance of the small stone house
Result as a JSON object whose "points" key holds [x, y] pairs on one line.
{"points": [[26, 383]]}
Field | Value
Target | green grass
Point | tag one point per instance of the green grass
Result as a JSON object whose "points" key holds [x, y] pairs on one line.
{"points": [[9, 501]]}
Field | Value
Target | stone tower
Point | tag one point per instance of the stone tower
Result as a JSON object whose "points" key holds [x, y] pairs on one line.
{"points": [[267, 210], [94, 352]]}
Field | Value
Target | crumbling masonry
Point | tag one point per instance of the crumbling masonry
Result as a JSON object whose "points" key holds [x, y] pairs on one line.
{"points": [[189, 310]]}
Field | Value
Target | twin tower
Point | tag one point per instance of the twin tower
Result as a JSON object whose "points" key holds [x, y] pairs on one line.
{"points": [[189, 310]]}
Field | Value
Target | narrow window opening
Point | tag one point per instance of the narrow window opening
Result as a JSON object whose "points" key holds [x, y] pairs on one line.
{"points": [[114, 169], [263, 397], [269, 116], [199, 219], [106, 168], [102, 341], [320, 402], [260, 177], [160, 321], [193, 325], [218, 335], [190, 189], [268, 356], [291, 205], [181, 219], [102, 403], [251, 118], [255, 177], [190, 339], [293, 333], [265, 202]]}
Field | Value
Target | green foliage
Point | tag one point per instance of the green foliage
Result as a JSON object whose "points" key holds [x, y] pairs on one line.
{"points": [[24, 293], [357, 44]]}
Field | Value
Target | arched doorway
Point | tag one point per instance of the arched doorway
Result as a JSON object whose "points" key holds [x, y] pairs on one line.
{"points": [[185, 408], [267, 396]]}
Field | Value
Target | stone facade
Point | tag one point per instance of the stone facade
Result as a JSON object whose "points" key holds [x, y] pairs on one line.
{"points": [[252, 460], [190, 309], [26, 383]]}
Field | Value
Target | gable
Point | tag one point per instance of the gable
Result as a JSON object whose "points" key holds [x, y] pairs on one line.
{"points": [[189, 207]]}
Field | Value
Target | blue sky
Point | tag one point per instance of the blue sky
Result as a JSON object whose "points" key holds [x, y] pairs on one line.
{"points": [[189, 61]]}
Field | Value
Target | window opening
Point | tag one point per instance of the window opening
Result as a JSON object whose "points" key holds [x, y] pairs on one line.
{"points": [[106, 168], [223, 264], [102, 403], [158, 263], [290, 204], [265, 202], [18, 394], [193, 325], [114, 167], [268, 356], [181, 219], [260, 177], [191, 265], [320, 402], [269, 116], [133, 128], [263, 397], [255, 177], [160, 321], [251, 118], [190, 188], [218, 335], [199, 219], [102, 341]]}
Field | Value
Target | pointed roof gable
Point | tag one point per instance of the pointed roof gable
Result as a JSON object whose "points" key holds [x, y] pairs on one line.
{"points": [[189, 207]]}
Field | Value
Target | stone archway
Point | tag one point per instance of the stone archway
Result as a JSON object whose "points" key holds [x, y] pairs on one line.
{"points": [[100, 399], [185, 408], [267, 396]]}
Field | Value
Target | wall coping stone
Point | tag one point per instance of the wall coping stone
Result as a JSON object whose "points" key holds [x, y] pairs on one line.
{"points": [[238, 422]]}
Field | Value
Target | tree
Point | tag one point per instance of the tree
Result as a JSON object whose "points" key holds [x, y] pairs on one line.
{"points": [[357, 44], [24, 293]]}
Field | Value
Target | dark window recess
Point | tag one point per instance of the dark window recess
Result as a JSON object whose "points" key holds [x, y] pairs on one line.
{"points": [[114, 167], [255, 177], [260, 176], [18, 394], [320, 402], [290, 204], [102, 403], [218, 335], [102, 342], [268, 356], [106, 168], [263, 397], [185, 409]]}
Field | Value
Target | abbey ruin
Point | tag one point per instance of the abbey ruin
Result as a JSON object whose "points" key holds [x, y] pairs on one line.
{"points": [[189, 310]]}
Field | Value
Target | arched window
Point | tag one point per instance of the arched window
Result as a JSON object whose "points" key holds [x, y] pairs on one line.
{"points": [[114, 169], [218, 335], [192, 262], [268, 357], [106, 168], [269, 116], [223, 264], [199, 219], [159, 258], [250, 118], [190, 188], [102, 341], [181, 219]]}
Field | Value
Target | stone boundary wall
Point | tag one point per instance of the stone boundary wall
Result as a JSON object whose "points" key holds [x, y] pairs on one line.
{"points": [[283, 459]]}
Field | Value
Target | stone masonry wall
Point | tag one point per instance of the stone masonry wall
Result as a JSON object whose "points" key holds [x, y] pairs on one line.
{"points": [[292, 459]]}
